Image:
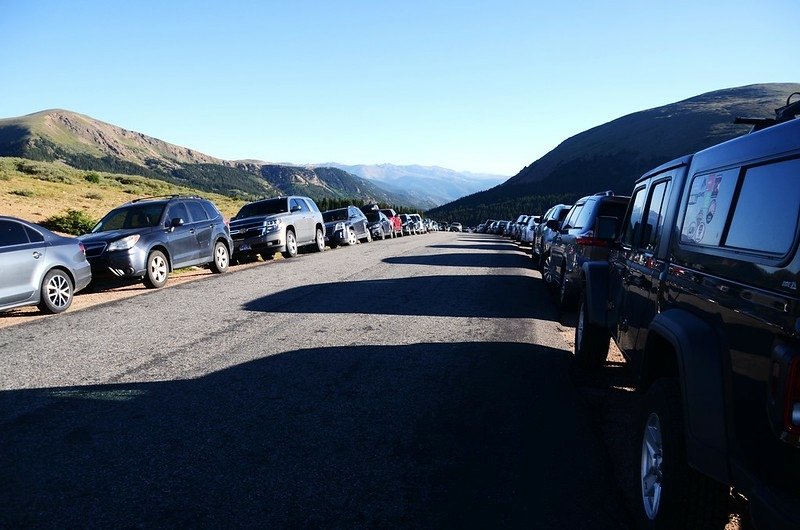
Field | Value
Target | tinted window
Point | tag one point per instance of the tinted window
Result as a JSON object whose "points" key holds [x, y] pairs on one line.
{"points": [[373, 217], [584, 220], [297, 203], [135, 216], [197, 212], [630, 232], [655, 216], [765, 218], [268, 207], [569, 222], [562, 213], [34, 236], [335, 215], [211, 210], [12, 233], [178, 211], [707, 207]]}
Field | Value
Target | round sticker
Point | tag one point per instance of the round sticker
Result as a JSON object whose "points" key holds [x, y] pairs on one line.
{"points": [[700, 232]]}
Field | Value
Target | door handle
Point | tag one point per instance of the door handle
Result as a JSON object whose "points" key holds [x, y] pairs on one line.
{"points": [[37, 255], [191, 231]]}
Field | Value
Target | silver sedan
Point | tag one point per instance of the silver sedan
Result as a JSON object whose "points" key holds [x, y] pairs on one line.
{"points": [[38, 267]]}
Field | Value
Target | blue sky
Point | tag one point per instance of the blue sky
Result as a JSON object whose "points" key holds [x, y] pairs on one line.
{"points": [[478, 86]]}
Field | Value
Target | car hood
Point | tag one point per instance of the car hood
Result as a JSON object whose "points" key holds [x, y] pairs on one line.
{"points": [[112, 235]]}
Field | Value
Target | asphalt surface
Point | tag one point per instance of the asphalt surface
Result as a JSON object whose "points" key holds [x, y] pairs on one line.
{"points": [[421, 381]]}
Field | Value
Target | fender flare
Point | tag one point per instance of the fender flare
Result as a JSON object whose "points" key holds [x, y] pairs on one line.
{"points": [[699, 355]]}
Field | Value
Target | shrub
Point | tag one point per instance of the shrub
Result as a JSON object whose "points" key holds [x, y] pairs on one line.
{"points": [[73, 222], [94, 195], [92, 177], [23, 193]]}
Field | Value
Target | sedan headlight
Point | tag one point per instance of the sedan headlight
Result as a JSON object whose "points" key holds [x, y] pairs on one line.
{"points": [[124, 244]]}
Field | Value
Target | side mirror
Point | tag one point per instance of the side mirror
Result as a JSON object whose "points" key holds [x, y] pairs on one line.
{"points": [[295, 209], [177, 221], [552, 224], [605, 228]]}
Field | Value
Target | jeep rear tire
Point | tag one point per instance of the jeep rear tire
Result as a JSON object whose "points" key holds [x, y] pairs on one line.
{"points": [[671, 494], [591, 341]]}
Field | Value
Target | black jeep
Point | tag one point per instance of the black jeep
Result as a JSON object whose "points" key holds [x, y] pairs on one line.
{"points": [[700, 293]]}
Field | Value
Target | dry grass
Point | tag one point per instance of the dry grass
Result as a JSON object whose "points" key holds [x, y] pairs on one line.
{"points": [[35, 191]]}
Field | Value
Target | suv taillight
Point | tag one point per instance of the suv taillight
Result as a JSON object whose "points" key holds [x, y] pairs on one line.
{"points": [[590, 241], [784, 393]]}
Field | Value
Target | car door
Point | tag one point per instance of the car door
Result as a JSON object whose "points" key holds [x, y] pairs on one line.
{"points": [[22, 263], [203, 230], [303, 221], [181, 240], [561, 240], [635, 267]]}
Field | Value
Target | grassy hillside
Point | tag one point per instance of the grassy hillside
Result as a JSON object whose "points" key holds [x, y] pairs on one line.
{"points": [[85, 143], [36, 190]]}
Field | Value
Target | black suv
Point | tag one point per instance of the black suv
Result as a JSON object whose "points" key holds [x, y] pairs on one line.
{"points": [[575, 243], [700, 293], [148, 238]]}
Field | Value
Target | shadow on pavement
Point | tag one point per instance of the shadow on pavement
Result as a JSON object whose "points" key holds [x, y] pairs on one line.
{"points": [[435, 435], [464, 260], [491, 296], [499, 246]]}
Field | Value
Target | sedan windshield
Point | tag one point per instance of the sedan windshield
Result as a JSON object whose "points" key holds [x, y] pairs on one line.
{"points": [[134, 216], [268, 207], [335, 215]]}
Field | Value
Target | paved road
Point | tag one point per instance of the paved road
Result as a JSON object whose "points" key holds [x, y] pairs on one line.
{"points": [[414, 382]]}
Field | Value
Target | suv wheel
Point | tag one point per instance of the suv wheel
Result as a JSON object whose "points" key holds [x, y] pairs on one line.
{"points": [[291, 245], [319, 241], [591, 341], [672, 494], [56, 292], [368, 239], [351, 236], [157, 270], [221, 258]]}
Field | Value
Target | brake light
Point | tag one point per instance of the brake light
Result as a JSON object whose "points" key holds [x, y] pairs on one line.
{"points": [[82, 247], [589, 241]]}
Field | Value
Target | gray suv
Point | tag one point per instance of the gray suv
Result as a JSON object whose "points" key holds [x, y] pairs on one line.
{"points": [[281, 225]]}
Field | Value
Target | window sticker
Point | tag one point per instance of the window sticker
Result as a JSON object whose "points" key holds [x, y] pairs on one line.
{"points": [[709, 199]]}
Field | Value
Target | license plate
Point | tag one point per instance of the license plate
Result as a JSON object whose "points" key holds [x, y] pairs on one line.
{"points": [[244, 247]]}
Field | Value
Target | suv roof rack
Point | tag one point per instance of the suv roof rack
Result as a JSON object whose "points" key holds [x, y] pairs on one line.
{"points": [[786, 113], [607, 193], [164, 197]]}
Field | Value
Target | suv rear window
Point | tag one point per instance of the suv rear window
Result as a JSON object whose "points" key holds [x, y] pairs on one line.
{"points": [[765, 218]]}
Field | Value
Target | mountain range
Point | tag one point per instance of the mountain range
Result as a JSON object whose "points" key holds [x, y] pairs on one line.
{"points": [[85, 143], [423, 183], [611, 156]]}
